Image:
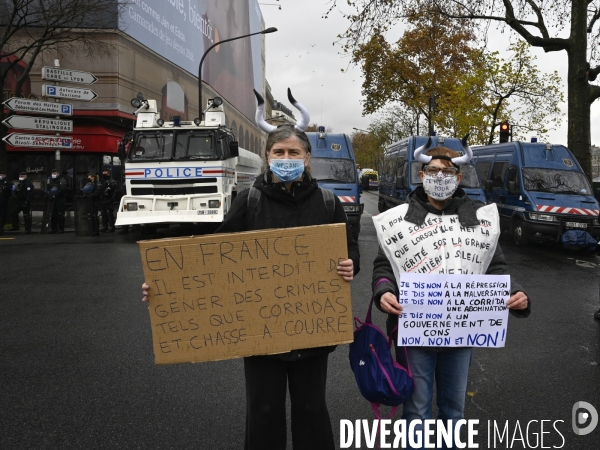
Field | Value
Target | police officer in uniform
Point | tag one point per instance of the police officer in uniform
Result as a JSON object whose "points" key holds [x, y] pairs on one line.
{"points": [[24, 194], [109, 190], [93, 190], [57, 190], [6, 188]]}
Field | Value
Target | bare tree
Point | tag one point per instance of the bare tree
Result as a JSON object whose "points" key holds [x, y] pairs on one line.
{"points": [[30, 27]]}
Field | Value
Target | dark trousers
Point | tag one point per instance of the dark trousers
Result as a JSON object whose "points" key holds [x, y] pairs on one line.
{"points": [[267, 380], [58, 214], [108, 216], [3, 213], [27, 217]]}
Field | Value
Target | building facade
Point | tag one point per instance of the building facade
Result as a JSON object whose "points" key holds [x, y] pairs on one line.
{"points": [[156, 49]]}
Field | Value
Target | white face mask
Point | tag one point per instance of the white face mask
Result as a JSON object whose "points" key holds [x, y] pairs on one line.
{"points": [[1, 177], [440, 187], [54, 175], [21, 178]]}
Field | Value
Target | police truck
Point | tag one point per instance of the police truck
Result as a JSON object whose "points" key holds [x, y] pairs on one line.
{"points": [[182, 172]]}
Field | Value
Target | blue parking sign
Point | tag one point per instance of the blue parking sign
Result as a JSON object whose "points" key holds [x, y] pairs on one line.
{"points": [[51, 90], [65, 109]]}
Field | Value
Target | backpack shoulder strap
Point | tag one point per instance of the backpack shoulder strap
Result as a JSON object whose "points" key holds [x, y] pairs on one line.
{"points": [[329, 199], [253, 199]]}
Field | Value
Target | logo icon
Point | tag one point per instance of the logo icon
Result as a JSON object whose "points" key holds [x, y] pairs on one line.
{"points": [[583, 413], [361, 363]]}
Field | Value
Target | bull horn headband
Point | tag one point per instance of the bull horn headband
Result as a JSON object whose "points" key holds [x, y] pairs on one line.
{"points": [[458, 161], [259, 117]]}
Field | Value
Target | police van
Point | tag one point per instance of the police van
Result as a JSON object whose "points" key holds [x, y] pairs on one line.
{"points": [[399, 173], [540, 190], [333, 165]]}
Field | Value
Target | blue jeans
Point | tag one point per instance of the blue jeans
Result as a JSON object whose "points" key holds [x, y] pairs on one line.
{"points": [[450, 369]]}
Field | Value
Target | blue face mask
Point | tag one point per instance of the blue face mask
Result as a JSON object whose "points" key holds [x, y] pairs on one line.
{"points": [[287, 170]]}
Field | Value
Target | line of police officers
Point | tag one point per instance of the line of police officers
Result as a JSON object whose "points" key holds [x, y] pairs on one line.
{"points": [[99, 195]]}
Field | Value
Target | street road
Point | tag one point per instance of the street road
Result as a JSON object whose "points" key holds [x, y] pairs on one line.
{"points": [[77, 369]]}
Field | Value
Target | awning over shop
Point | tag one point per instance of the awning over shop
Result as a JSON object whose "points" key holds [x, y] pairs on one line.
{"points": [[86, 138]]}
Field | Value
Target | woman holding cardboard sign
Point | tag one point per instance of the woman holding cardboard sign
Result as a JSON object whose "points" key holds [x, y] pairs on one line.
{"points": [[440, 230], [286, 196]]}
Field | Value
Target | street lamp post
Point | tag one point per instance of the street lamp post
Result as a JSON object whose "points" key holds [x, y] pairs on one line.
{"points": [[268, 30], [358, 129]]}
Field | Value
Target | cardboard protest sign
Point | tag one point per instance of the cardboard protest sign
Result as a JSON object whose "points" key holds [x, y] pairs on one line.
{"points": [[226, 296], [453, 310]]}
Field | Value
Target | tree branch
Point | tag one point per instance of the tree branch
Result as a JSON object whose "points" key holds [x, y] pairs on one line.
{"points": [[594, 93], [546, 42], [593, 20]]}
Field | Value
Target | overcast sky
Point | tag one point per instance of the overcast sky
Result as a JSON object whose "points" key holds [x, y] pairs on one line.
{"points": [[301, 55]]}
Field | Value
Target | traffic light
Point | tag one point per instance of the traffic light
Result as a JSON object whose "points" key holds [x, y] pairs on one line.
{"points": [[504, 131]]}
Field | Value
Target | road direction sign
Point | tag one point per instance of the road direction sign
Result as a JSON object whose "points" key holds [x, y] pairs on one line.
{"points": [[38, 140], [84, 95], [39, 123], [36, 106], [68, 75]]}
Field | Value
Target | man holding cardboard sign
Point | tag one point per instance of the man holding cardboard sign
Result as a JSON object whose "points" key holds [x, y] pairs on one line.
{"points": [[290, 287]]}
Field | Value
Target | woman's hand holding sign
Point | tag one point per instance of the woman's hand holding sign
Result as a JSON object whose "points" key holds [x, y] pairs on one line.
{"points": [[346, 269], [145, 288]]}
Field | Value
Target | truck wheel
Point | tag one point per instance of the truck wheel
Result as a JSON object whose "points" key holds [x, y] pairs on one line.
{"points": [[518, 234]]}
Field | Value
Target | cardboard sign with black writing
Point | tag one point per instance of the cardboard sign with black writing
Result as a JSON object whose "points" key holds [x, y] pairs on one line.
{"points": [[227, 296]]}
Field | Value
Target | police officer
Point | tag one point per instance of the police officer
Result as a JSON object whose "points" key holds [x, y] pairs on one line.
{"points": [[109, 190], [6, 188], [24, 194], [93, 190], [57, 190]]}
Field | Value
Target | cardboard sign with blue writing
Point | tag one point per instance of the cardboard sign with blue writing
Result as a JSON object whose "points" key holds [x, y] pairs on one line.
{"points": [[225, 296], [453, 310]]}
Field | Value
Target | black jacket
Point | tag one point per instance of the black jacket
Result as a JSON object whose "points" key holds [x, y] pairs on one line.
{"points": [[61, 184], [418, 208], [109, 190], [6, 188], [25, 193], [302, 206]]}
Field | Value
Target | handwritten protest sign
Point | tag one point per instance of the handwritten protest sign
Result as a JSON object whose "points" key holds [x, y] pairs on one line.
{"points": [[453, 310], [440, 244], [225, 296]]}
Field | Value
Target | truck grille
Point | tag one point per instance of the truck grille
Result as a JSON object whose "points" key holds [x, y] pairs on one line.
{"points": [[174, 190]]}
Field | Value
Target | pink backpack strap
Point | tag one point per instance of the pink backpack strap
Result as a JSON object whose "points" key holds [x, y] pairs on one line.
{"points": [[377, 414], [368, 318]]}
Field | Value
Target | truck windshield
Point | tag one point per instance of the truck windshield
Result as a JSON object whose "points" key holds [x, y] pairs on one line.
{"points": [[555, 181], [152, 146], [333, 170], [195, 145], [469, 175]]}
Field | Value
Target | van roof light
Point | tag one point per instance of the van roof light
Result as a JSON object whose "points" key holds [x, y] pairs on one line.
{"points": [[533, 139], [440, 139], [548, 146], [321, 132]]}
